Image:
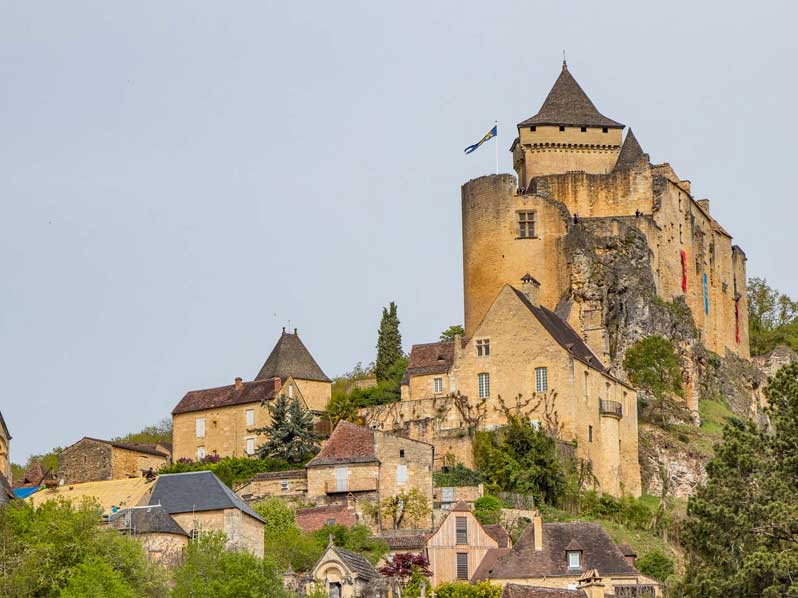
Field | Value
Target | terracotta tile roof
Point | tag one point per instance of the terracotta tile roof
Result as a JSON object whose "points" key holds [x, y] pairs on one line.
{"points": [[429, 358], [146, 520], [498, 533], [512, 590], [128, 446], [225, 396], [568, 104], [32, 477], [630, 153], [598, 552], [290, 357], [347, 444], [461, 506], [406, 541], [314, 518]]}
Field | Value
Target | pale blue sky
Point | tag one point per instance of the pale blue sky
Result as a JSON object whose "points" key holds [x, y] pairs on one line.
{"points": [[179, 179]]}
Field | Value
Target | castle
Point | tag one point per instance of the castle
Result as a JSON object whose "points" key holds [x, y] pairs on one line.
{"points": [[560, 265]]}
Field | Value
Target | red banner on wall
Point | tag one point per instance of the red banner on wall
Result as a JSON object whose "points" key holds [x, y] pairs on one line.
{"points": [[684, 270], [737, 320]]}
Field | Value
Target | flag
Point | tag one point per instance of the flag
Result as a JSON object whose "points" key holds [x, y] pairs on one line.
{"points": [[489, 135]]}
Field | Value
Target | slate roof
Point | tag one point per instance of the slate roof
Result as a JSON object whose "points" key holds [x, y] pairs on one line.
{"points": [[630, 152], [512, 590], [568, 104], [488, 562], [429, 358], [598, 552], [153, 519], [224, 396], [196, 491], [357, 563], [498, 533], [290, 357], [347, 444], [405, 542], [561, 332]]}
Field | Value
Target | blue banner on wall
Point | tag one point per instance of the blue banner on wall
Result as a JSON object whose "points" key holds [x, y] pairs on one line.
{"points": [[706, 295]]}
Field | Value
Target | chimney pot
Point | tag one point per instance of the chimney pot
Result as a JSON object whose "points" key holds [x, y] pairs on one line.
{"points": [[278, 384], [239, 383], [295, 331], [531, 288], [283, 329]]}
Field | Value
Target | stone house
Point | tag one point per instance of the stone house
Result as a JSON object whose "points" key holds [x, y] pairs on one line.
{"points": [[162, 538], [222, 421], [521, 348], [345, 574], [91, 460], [560, 555], [200, 502], [6, 493], [370, 465]]}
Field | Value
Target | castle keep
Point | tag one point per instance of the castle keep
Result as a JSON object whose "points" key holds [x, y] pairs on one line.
{"points": [[588, 250]]}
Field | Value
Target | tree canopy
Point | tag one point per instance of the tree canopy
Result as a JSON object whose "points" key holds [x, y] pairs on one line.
{"points": [[389, 343], [452, 331], [772, 318], [290, 434]]}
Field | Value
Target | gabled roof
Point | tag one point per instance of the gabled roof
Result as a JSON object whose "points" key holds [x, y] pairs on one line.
{"points": [[630, 152], [356, 563], [561, 332], [512, 590], [290, 357], [488, 562], [128, 446], [568, 104], [498, 533], [598, 552], [153, 519], [429, 358], [196, 491], [347, 444], [226, 396]]}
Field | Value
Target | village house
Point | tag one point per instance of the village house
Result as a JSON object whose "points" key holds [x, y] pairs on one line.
{"points": [[559, 555], [525, 360], [92, 460], [5, 463], [222, 421], [346, 574], [589, 586], [159, 534], [200, 502]]}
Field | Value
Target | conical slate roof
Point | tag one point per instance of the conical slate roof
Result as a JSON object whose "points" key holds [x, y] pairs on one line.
{"points": [[631, 152], [568, 104], [290, 357]]}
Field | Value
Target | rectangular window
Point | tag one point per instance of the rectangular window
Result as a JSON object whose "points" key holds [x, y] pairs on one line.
{"points": [[541, 379], [200, 452], [401, 453], [587, 393], [590, 433], [438, 384], [401, 474], [483, 347], [533, 128], [574, 559], [483, 382], [284, 485], [200, 425], [461, 529], [331, 521], [562, 128], [250, 417], [609, 391], [447, 494], [526, 225], [604, 129], [250, 446], [462, 565], [583, 129], [341, 479], [290, 391]]}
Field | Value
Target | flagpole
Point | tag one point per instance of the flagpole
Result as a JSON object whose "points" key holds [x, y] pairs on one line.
{"points": [[497, 145]]}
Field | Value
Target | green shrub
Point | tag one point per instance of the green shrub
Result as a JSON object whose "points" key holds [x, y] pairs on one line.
{"points": [[457, 475], [483, 589], [656, 565], [488, 509], [231, 470]]}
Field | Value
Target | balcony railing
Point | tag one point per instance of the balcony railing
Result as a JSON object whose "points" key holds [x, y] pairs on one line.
{"points": [[636, 591], [611, 408], [357, 485]]}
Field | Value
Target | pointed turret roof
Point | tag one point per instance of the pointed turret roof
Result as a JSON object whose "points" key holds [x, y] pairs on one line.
{"points": [[290, 357], [568, 104], [630, 153]]}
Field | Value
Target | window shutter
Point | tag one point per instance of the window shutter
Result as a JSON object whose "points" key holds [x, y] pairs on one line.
{"points": [[462, 565], [461, 525]]}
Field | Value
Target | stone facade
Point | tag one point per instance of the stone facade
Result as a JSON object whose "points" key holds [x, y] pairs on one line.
{"points": [[291, 485], [243, 532], [92, 460], [164, 549], [5, 451]]}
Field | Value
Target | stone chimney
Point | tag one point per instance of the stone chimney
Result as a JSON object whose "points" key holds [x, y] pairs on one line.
{"points": [[278, 384], [590, 584], [537, 521], [704, 203], [531, 288], [239, 383]]}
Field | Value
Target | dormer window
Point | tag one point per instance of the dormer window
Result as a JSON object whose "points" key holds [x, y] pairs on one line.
{"points": [[574, 559]]}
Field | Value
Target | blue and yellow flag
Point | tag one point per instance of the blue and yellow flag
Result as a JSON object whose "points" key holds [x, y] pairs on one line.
{"points": [[489, 135]]}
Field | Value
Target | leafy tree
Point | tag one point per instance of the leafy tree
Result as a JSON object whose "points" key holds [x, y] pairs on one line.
{"points": [[457, 475], [96, 578], [291, 435], [741, 534], [160, 432], [403, 564], [451, 331], [55, 547], [231, 470], [520, 458], [655, 367], [409, 505], [656, 565], [458, 589], [488, 509], [389, 343], [345, 405], [210, 571], [772, 318]]}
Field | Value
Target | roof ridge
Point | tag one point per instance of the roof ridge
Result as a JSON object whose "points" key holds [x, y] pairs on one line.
{"points": [[290, 357]]}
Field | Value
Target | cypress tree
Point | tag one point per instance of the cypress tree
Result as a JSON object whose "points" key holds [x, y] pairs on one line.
{"points": [[389, 343]]}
